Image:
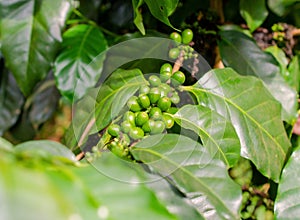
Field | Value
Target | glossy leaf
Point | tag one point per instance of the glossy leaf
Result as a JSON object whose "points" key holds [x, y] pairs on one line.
{"points": [[67, 192], [11, 101], [31, 33], [44, 102], [281, 7], [280, 57], [217, 133], [242, 54], [162, 9], [254, 13], [138, 18], [79, 64], [122, 189], [254, 113], [103, 104], [192, 171], [287, 203], [45, 148], [173, 200]]}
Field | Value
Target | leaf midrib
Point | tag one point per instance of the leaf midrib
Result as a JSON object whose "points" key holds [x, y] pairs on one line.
{"points": [[190, 89], [187, 172], [209, 136]]}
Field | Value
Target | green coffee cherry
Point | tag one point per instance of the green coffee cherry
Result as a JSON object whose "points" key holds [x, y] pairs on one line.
{"points": [[136, 133], [144, 90], [166, 67], [155, 113], [144, 101], [176, 37], [164, 103], [187, 36], [158, 127], [114, 130], [126, 126], [178, 78], [174, 53], [165, 76], [116, 149], [130, 117], [154, 95], [133, 104], [141, 118], [169, 121], [154, 80], [148, 126], [175, 98]]}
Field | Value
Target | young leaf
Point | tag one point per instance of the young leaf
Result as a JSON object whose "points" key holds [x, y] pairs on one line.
{"points": [[104, 104], [254, 113], [11, 100], [217, 133], [254, 13], [287, 203], [45, 148], [138, 18], [192, 171], [79, 64], [162, 9], [31, 31], [241, 53]]}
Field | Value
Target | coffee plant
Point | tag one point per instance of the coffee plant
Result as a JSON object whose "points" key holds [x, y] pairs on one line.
{"points": [[149, 109]]}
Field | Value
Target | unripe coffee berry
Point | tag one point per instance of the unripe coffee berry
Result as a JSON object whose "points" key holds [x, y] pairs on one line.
{"points": [[164, 103], [133, 104]]}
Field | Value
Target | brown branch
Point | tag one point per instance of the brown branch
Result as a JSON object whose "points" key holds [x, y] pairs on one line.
{"points": [[295, 32], [80, 156]]}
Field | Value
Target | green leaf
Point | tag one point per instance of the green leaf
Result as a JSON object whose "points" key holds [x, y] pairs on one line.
{"points": [[217, 133], [122, 189], [162, 9], [44, 103], [293, 77], [254, 113], [287, 203], [11, 101], [30, 34], [103, 104], [45, 148], [173, 200], [138, 18], [192, 171], [79, 64], [254, 13], [241, 53], [280, 57], [5, 145], [281, 7]]}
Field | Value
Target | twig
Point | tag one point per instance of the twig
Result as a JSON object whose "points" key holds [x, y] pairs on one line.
{"points": [[295, 32], [178, 62], [80, 156]]}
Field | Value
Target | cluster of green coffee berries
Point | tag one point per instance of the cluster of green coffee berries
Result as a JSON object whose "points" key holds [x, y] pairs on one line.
{"points": [[182, 48], [149, 111]]}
